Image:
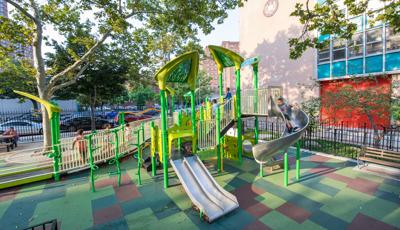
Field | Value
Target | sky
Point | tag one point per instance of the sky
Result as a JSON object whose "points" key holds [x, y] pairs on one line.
{"points": [[228, 31]]}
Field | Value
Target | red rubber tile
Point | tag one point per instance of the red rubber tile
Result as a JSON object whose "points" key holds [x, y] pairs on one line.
{"points": [[318, 159], [257, 225], [294, 212], [258, 210], [365, 222], [340, 178], [246, 195], [107, 214], [126, 192], [321, 169], [364, 186], [9, 194]]}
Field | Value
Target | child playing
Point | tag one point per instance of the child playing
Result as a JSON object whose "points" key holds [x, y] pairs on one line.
{"points": [[79, 144]]}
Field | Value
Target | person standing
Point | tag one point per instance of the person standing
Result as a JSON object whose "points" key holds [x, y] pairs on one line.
{"points": [[228, 94], [80, 145], [12, 133]]}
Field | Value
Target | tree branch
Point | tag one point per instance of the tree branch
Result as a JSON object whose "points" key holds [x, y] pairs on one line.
{"points": [[22, 10], [68, 83], [77, 63]]}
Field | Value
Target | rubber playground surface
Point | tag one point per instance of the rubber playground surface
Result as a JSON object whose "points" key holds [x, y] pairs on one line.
{"points": [[330, 195]]}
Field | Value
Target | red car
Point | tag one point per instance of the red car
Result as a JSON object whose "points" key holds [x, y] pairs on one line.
{"points": [[129, 117]]}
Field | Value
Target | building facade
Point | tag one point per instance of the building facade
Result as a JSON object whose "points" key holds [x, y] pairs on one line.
{"points": [[208, 65], [265, 29], [25, 52], [374, 50]]}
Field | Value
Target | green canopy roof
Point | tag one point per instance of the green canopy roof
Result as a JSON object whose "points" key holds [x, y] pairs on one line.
{"points": [[225, 58]]}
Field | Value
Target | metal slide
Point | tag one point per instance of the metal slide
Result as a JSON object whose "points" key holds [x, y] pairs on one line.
{"points": [[264, 152], [203, 190]]}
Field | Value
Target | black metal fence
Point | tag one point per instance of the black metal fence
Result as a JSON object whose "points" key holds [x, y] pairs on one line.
{"points": [[337, 138], [29, 128]]}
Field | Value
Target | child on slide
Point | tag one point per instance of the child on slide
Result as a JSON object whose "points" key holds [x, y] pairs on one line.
{"points": [[287, 112]]}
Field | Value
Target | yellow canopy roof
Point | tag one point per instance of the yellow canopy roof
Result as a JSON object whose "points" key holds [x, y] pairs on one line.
{"points": [[50, 108]]}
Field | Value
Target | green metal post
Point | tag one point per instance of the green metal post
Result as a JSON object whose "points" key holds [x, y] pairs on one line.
{"points": [[221, 85], [139, 156], [55, 141], [286, 169], [192, 103], [164, 136], [261, 170], [239, 116], [117, 154], [201, 122], [255, 79], [153, 158], [218, 136], [172, 104], [121, 118], [91, 161], [180, 124], [298, 160]]}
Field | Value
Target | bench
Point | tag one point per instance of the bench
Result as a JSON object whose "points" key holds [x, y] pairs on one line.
{"points": [[378, 156], [7, 146]]}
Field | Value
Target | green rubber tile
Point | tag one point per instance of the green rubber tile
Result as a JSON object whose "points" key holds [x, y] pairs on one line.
{"points": [[36, 189], [390, 188], [48, 210], [276, 220], [270, 200], [333, 183], [249, 177], [378, 208], [347, 171], [307, 165], [179, 197], [177, 221], [392, 218], [102, 192], [370, 176], [312, 194], [141, 219], [346, 204]]}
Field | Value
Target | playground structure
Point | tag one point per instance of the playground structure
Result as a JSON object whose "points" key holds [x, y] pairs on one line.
{"points": [[206, 128]]}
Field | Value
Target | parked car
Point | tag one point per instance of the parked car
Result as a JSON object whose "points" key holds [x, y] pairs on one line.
{"points": [[75, 123], [23, 127], [129, 117]]}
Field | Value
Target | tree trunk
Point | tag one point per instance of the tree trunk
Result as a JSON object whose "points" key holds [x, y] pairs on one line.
{"points": [[376, 137]]}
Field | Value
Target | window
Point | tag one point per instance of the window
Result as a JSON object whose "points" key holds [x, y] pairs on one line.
{"points": [[355, 46], [276, 91], [392, 40], [374, 41], [358, 21], [339, 49], [323, 53]]}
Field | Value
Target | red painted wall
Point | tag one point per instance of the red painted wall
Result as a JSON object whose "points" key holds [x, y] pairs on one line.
{"points": [[353, 116]]}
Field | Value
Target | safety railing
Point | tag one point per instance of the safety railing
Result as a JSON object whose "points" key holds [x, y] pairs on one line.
{"points": [[206, 134], [254, 101], [226, 113]]}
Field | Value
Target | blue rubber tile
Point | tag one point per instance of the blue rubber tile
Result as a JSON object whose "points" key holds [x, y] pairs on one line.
{"points": [[393, 197], [115, 225], [103, 202], [316, 185], [328, 221]]}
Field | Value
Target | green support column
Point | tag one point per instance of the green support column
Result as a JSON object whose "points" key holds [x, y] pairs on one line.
{"points": [[153, 157], [192, 103], [121, 118], [164, 137], [139, 178], [91, 160], [298, 160], [55, 141], [239, 116], [218, 137], [221, 85], [172, 104], [255, 83], [286, 169], [116, 158], [261, 170], [179, 124]]}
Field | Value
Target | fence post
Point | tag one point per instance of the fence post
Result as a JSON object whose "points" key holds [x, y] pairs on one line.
{"points": [[298, 160], [218, 137], [139, 158], [153, 143], [365, 134], [286, 169], [91, 161], [117, 153]]}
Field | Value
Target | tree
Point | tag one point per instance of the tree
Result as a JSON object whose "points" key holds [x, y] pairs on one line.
{"points": [[141, 94], [373, 101], [203, 89], [109, 19], [328, 18]]}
